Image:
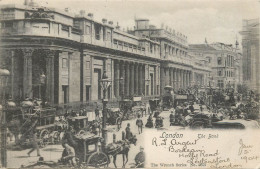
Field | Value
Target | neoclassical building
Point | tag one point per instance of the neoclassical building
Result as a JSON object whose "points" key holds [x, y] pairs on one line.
{"points": [[60, 57], [223, 60], [251, 54]]}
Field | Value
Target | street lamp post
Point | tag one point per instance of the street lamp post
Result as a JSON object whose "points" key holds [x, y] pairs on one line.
{"points": [[4, 74], [105, 82]]}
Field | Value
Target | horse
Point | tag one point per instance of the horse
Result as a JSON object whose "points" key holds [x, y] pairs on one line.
{"points": [[120, 147]]}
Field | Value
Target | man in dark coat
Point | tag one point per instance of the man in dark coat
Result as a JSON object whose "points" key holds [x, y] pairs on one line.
{"points": [[128, 132], [34, 142], [139, 123], [140, 159]]}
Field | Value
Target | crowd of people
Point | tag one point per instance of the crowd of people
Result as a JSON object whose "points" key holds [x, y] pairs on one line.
{"points": [[222, 104]]}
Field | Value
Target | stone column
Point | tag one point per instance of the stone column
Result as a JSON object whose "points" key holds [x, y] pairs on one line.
{"points": [[127, 79], [27, 72], [143, 79], [170, 76], [188, 78], [172, 84], [177, 78], [122, 74], [117, 78], [184, 79], [180, 78], [136, 79], [162, 79], [132, 81], [50, 76], [166, 76], [140, 69], [146, 89]]}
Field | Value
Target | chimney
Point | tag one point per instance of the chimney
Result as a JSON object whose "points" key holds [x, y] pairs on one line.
{"points": [[82, 12], [90, 15], [104, 21], [117, 26], [110, 22], [25, 2], [32, 3]]}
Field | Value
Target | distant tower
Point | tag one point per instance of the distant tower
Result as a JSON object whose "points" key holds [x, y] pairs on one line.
{"points": [[206, 42], [236, 43], [32, 3], [25, 2]]}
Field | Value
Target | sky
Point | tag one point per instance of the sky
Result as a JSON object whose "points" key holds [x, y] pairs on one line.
{"points": [[215, 20]]}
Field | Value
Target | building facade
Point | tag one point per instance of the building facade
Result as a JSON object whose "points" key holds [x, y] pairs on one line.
{"points": [[60, 57], [223, 60], [178, 68], [250, 47]]}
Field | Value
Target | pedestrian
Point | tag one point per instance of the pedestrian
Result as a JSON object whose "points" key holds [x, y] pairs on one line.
{"points": [[34, 143], [97, 112], [139, 123], [149, 123], [128, 132], [140, 159], [68, 154], [73, 113], [84, 112], [172, 119]]}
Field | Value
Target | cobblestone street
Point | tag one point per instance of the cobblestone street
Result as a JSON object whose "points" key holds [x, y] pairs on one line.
{"points": [[53, 152]]}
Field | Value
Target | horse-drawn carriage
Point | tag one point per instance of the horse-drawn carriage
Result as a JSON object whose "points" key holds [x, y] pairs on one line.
{"points": [[114, 117], [138, 107], [126, 108], [154, 104], [23, 120], [183, 98], [90, 151], [43, 121], [80, 124]]}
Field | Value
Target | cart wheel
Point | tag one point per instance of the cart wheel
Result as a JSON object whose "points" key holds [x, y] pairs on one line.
{"points": [[97, 160], [55, 137], [197, 125], [44, 136], [81, 132], [119, 123]]}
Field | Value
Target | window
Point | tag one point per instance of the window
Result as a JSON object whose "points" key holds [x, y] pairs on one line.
{"points": [[219, 73], [64, 62], [87, 30], [165, 49], [209, 59], [88, 65], [8, 24], [108, 36], [151, 48], [220, 83], [88, 87], [97, 31], [219, 61]]}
